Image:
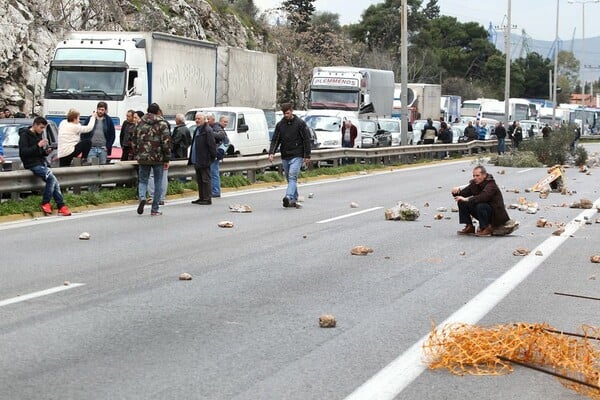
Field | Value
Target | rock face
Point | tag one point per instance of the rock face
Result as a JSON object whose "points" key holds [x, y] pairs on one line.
{"points": [[31, 28]]}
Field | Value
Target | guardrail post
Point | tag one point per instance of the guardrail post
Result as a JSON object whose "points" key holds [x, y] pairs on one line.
{"points": [[251, 175]]}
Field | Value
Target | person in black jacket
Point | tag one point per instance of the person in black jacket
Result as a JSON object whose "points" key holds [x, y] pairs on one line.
{"points": [[292, 135], [202, 154], [500, 133], [33, 150]]}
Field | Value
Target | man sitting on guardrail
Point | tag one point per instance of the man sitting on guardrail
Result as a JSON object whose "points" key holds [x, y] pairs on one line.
{"points": [[33, 150]]}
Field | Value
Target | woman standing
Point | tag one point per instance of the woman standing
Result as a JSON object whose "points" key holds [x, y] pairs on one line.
{"points": [[69, 144]]}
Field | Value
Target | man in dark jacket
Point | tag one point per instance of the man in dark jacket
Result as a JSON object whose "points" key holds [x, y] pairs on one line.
{"points": [[152, 149], [480, 199], [126, 136], [202, 154], [429, 133], [181, 139], [500, 133], [102, 136], [33, 150], [292, 135], [470, 132]]}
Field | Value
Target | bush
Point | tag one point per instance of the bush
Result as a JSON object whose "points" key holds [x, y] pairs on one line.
{"points": [[553, 150], [519, 159], [581, 156]]}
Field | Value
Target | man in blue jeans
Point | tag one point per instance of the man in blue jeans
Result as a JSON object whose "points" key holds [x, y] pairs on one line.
{"points": [[33, 150], [294, 140]]}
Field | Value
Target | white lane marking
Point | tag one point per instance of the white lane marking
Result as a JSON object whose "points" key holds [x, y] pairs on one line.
{"points": [[324, 221], [525, 170], [41, 293], [397, 375]]}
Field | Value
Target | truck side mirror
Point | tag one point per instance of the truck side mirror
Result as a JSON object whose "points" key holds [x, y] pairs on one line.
{"points": [[137, 90]]}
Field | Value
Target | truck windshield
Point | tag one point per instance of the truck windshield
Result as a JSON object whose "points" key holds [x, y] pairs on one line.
{"points": [[88, 83], [337, 100], [323, 123]]}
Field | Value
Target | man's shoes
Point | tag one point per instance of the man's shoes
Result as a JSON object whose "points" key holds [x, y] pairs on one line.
{"points": [[197, 201], [46, 208], [161, 203], [286, 202], [487, 231], [155, 213], [204, 202], [467, 230], [140, 209], [64, 211], [215, 195]]}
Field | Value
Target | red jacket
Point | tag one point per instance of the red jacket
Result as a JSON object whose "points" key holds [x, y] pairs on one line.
{"points": [[353, 134]]}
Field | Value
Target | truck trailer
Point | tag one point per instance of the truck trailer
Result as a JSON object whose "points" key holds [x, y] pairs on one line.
{"points": [[129, 70]]}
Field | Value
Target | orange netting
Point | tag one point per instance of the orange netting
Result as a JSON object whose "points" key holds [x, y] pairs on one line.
{"points": [[469, 349]]}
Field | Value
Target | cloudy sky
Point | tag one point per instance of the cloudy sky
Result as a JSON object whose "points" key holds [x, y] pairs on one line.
{"points": [[536, 17]]}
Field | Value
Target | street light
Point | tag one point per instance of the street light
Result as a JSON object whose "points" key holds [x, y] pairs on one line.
{"points": [[583, 3]]}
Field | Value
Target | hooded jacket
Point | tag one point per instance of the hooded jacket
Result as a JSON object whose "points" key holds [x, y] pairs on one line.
{"points": [[487, 192], [293, 137], [30, 153], [152, 140]]}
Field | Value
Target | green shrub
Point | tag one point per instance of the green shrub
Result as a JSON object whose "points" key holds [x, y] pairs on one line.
{"points": [[553, 150], [581, 156], [519, 159]]}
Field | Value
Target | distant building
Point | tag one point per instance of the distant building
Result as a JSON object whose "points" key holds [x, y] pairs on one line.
{"points": [[588, 100]]}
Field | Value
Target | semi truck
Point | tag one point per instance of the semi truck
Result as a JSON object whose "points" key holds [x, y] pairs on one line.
{"points": [[361, 90], [450, 107], [129, 70]]}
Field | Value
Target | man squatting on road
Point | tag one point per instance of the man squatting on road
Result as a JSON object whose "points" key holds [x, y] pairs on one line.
{"points": [[480, 199]]}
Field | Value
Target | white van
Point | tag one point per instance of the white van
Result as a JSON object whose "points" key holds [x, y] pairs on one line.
{"points": [[248, 131]]}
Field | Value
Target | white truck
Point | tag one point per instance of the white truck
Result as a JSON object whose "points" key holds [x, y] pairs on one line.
{"points": [[427, 99], [129, 70], [341, 92], [450, 107]]}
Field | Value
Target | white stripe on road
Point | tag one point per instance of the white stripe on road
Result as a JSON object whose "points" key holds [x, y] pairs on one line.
{"points": [[397, 375], [324, 221], [41, 293], [525, 170]]}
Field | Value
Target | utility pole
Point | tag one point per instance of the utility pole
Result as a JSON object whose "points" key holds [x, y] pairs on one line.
{"points": [[507, 28], [554, 83], [404, 71]]}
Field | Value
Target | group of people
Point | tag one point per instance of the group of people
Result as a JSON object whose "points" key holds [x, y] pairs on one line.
{"points": [[145, 137]]}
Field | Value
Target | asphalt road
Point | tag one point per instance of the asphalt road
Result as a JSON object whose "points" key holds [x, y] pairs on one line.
{"points": [[246, 326]]}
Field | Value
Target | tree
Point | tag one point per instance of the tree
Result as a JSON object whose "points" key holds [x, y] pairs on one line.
{"points": [[299, 13], [326, 22], [568, 67], [534, 70]]}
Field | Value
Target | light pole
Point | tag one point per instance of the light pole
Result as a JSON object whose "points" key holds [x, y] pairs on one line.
{"points": [[581, 68], [554, 83], [36, 82]]}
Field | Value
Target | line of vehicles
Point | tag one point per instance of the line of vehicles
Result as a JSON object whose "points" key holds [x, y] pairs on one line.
{"points": [[129, 70]]}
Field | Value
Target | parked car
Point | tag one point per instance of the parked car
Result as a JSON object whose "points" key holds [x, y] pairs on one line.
{"points": [[418, 126], [373, 135], [393, 126], [9, 128], [528, 124]]}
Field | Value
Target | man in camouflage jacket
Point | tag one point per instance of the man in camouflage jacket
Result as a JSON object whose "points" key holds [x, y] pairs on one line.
{"points": [[152, 147]]}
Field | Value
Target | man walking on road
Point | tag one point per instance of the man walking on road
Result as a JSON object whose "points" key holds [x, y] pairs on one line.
{"points": [[292, 135], [152, 147]]}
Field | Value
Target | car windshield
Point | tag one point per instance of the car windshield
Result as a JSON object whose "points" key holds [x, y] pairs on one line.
{"points": [[392, 126], [368, 126], [323, 123], [10, 135]]}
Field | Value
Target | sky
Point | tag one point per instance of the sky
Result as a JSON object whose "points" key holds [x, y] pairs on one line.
{"points": [[536, 17]]}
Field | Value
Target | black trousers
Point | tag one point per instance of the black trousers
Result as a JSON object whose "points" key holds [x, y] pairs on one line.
{"points": [[203, 180], [82, 148], [482, 212]]}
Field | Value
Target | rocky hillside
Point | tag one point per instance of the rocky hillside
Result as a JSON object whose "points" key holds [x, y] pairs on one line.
{"points": [[31, 28]]}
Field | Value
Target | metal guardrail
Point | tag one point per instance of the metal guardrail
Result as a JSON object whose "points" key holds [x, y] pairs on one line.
{"points": [[126, 172]]}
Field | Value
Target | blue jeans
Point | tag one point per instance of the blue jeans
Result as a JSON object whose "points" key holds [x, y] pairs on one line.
{"points": [[215, 179], [99, 152], [501, 145], [52, 188], [291, 168], [165, 184], [144, 175]]}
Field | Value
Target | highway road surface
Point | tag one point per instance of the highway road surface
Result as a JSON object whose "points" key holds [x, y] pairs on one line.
{"points": [[246, 325]]}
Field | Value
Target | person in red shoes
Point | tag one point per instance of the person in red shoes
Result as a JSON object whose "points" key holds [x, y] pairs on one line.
{"points": [[33, 150], [480, 199]]}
